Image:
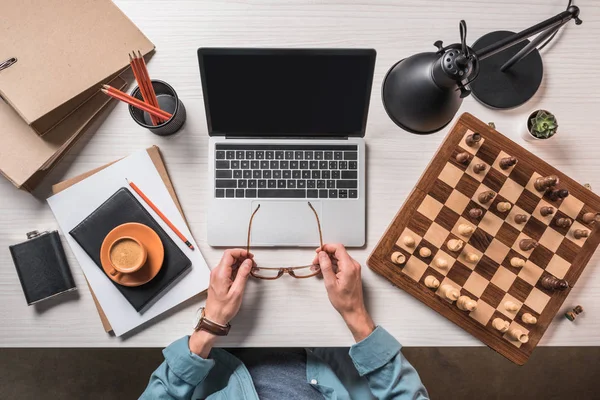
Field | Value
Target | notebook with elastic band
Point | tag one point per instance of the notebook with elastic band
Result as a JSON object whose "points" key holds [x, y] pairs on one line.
{"points": [[122, 207]]}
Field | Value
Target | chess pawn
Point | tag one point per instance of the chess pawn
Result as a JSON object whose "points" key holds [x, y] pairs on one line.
{"points": [[431, 282], [571, 315], [546, 210], [486, 196], [503, 206], [591, 217], [465, 229], [408, 241], [473, 139], [529, 319], [520, 218], [466, 303], [580, 233], [518, 335], [507, 162], [550, 282], [471, 257], [475, 213], [398, 258], [455, 245], [449, 292], [527, 244], [542, 183], [563, 222], [500, 324], [517, 262], [478, 168], [557, 194], [441, 263], [463, 158], [424, 252], [511, 306]]}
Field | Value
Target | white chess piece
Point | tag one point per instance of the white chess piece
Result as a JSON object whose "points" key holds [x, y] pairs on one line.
{"points": [[398, 258], [529, 319], [424, 252], [503, 206], [449, 292], [408, 241], [455, 244], [432, 282], [500, 324], [441, 263], [466, 303], [517, 262], [511, 306], [518, 335], [471, 257], [465, 229]]}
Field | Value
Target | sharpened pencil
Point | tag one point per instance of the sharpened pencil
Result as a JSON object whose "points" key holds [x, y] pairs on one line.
{"points": [[160, 214], [137, 73], [117, 94]]}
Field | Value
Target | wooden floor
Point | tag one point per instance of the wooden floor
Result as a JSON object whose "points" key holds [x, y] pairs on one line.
{"points": [[449, 373]]}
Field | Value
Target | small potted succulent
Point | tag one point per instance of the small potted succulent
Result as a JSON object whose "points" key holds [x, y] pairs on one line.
{"points": [[541, 124]]}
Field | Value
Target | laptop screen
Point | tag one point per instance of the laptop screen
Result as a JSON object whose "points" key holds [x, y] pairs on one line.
{"points": [[286, 92]]}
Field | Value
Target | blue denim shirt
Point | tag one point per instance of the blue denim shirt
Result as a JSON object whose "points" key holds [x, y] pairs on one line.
{"points": [[373, 369]]}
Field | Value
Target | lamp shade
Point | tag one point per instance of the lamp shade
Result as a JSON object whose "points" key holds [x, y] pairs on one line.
{"points": [[418, 95]]}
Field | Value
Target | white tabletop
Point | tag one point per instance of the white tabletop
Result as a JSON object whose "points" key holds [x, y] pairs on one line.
{"points": [[290, 312]]}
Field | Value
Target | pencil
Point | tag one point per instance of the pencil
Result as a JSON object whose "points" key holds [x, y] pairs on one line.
{"points": [[160, 214], [146, 74], [117, 94], [137, 73]]}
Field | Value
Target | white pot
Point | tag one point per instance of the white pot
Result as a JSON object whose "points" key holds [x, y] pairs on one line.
{"points": [[527, 135]]}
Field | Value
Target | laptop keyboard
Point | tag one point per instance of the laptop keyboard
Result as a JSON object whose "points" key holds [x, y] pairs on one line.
{"points": [[286, 171]]}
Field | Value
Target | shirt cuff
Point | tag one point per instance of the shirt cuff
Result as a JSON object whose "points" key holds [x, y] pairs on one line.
{"points": [[188, 366], [374, 351]]}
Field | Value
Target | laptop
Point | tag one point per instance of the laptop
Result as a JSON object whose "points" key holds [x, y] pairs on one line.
{"points": [[286, 133]]}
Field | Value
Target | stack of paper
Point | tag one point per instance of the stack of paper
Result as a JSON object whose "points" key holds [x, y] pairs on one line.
{"points": [[73, 204]]}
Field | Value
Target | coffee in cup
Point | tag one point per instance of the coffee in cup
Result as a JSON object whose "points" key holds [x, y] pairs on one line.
{"points": [[127, 255]]}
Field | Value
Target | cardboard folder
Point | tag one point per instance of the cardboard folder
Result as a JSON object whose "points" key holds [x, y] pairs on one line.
{"points": [[157, 160], [25, 157], [64, 50]]}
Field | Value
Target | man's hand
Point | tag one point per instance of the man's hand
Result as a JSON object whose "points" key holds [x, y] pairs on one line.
{"points": [[341, 274], [225, 293]]}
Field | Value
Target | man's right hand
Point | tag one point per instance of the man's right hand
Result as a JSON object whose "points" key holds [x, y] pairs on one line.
{"points": [[343, 282]]}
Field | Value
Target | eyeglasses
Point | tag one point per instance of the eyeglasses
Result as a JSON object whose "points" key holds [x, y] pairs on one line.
{"points": [[305, 271]]}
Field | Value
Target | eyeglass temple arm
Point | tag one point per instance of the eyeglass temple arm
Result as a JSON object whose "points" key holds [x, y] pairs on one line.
{"points": [[250, 229]]}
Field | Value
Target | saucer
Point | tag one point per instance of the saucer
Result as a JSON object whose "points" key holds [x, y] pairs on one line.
{"points": [[154, 248]]}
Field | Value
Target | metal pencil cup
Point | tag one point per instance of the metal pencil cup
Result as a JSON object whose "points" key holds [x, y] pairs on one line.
{"points": [[167, 101]]}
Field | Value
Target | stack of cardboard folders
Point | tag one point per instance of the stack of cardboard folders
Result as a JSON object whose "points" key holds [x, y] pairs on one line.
{"points": [[62, 51]]}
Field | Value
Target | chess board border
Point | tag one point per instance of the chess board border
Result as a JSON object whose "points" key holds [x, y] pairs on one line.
{"points": [[379, 260]]}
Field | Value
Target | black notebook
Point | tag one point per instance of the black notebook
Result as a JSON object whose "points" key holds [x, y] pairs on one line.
{"points": [[120, 208], [42, 267]]}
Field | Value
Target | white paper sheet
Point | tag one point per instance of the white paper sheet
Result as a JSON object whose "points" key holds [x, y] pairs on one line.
{"points": [[74, 204]]}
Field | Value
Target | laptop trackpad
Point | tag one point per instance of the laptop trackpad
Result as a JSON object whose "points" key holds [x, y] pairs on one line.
{"points": [[285, 223]]}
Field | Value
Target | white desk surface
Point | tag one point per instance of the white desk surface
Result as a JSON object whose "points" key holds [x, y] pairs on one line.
{"points": [[290, 312]]}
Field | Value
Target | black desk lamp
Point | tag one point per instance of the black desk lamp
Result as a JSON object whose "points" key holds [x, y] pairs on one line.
{"points": [[422, 93]]}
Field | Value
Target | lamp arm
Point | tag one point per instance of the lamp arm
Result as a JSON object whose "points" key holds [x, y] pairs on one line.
{"points": [[551, 24], [524, 52]]}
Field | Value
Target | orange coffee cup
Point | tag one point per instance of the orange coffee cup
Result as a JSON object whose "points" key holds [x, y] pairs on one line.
{"points": [[126, 255]]}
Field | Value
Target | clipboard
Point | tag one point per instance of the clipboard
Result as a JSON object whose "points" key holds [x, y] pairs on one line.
{"points": [[157, 160]]}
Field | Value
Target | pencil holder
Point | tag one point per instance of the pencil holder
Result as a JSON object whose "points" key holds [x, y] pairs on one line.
{"points": [[167, 101]]}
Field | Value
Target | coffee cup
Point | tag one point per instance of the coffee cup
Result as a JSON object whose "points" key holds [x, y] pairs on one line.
{"points": [[126, 255]]}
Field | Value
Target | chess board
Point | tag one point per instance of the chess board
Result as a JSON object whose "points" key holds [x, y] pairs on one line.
{"points": [[440, 203]]}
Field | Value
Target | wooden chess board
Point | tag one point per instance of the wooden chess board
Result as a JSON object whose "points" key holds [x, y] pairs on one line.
{"points": [[440, 203]]}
